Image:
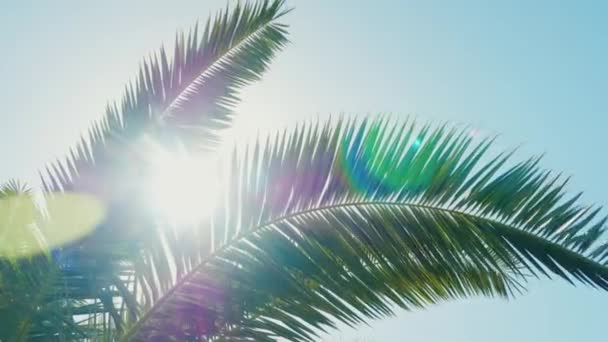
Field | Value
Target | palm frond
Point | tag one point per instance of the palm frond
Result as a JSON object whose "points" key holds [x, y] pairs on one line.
{"points": [[342, 222], [29, 306], [45, 293], [190, 97]]}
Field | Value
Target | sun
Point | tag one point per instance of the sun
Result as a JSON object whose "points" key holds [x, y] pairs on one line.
{"points": [[184, 189]]}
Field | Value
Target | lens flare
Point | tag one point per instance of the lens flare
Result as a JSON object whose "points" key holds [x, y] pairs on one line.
{"points": [[26, 231], [369, 162]]}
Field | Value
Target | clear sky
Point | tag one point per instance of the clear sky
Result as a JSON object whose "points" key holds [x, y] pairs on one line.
{"points": [[536, 73]]}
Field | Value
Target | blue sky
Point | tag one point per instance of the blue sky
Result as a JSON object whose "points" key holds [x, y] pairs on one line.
{"points": [[535, 72]]}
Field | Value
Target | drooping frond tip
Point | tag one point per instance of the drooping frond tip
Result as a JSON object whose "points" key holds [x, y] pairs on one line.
{"points": [[343, 220]]}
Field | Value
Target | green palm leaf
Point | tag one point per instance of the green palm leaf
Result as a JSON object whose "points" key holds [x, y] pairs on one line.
{"points": [[188, 98], [343, 222], [44, 295], [30, 303]]}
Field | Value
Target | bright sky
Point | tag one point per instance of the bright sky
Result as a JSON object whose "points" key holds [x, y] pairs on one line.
{"points": [[537, 74]]}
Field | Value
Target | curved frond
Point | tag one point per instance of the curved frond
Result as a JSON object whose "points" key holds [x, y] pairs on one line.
{"points": [[342, 222], [189, 97]]}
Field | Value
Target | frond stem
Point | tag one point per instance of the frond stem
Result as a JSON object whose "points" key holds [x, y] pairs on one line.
{"points": [[246, 233]]}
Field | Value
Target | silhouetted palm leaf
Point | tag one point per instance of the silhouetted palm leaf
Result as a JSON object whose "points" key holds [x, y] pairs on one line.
{"points": [[189, 98], [342, 222], [46, 292], [33, 303]]}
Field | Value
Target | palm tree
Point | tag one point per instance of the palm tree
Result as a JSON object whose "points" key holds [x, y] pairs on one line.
{"points": [[337, 221]]}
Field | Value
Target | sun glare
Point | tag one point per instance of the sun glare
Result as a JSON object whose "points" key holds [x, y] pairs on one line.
{"points": [[184, 189]]}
